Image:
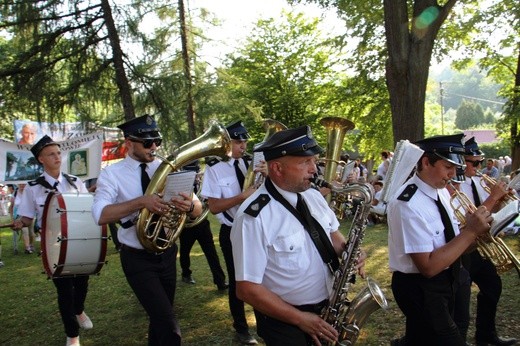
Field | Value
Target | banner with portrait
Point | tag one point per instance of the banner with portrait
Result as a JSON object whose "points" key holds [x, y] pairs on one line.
{"points": [[30, 132], [80, 156]]}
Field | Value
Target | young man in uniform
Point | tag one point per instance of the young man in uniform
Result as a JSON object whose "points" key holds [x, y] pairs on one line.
{"points": [[119, 197], [425, 244], [280, 270], [481, 270], [223, 187], [72, 291]]}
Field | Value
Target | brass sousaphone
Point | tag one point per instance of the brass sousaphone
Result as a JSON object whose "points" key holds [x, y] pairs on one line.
{"points": [[155, 232]]}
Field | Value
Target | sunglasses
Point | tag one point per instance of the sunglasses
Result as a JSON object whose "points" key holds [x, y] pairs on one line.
{"points": [[475, 163], [147, 142]]}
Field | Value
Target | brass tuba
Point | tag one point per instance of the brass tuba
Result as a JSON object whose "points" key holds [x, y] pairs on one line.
{"points": [[271, 126], [490, 247], [157, 233], [336, 129]]}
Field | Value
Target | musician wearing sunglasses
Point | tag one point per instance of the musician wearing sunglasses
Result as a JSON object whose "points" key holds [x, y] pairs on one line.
{"points": [[425, 244], [72, 291], [481, 271], [119, 198]]}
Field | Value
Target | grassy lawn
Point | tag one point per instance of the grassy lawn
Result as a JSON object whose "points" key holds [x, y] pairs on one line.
{"points": [[29, 313]]}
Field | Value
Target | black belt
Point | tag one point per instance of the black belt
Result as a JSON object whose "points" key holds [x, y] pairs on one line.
{"points": [[127, 224], [138, 251], [314, 308]]}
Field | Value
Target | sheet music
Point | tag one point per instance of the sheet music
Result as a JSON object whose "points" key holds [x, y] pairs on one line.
{"points": [[257, 157], [176, 182], [504, 217]]}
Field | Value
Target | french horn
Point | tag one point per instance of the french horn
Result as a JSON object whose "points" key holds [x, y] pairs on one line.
{"points": [[156, 233]]}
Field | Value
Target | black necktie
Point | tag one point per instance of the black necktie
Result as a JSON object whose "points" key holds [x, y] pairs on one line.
{"points": [[476, 198], [322, 243], [449, 234], [55, 186], [240, 175], [145, 178]]}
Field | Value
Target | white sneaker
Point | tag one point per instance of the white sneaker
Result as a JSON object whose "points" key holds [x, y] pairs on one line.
{"points": [[72, 341], [84, 321]]}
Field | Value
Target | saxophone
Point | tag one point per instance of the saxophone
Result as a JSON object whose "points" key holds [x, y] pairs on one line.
{"points": [[348, 316]]}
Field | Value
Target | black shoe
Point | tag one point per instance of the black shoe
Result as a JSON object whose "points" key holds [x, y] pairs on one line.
{"points": [[223, 287], [495, 340], [246, 339], [188, 279]]}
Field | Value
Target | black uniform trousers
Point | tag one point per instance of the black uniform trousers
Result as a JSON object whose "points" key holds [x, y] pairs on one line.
{"points": [[428, 307], [236, 306], [278, 333], [153, 278], [484, 274], [461, 314], [72, 292], [202, 234]]}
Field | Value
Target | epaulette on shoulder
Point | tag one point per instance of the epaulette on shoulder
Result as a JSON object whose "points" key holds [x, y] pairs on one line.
{"points": [[408, 193], [256, 206], [71, 177], [33, 182], [213, 160]]}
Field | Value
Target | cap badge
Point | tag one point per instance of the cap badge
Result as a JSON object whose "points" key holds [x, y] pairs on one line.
{"points": [[149, 120]]}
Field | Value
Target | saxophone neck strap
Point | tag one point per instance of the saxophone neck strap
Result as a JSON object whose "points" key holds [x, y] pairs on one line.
{"points": [[313, 227]]}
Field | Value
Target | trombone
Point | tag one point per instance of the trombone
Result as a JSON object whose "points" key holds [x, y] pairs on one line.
{"points": [[490, 247]]}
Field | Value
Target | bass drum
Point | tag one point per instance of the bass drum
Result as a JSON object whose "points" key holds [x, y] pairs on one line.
{"points": [[72, 243]]}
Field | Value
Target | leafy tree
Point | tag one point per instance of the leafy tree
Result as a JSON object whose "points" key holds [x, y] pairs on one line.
{"points": [[401, 49], [499, 19], [288, 72], [469, 115]]}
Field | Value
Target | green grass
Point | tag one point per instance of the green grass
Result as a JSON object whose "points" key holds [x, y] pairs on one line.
{"points": [[29, 313]]}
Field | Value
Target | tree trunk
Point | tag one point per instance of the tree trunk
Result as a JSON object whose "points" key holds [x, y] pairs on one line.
{"points": [[410, 45], [117, 53], [515, 118], [190, 113]]}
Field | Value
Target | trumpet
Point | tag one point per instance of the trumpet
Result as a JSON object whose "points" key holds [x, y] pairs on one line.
{"points": [[486, 182], [490, 247]]}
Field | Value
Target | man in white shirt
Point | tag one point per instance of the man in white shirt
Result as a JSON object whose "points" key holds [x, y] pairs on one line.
{"points": [[119, 198]]}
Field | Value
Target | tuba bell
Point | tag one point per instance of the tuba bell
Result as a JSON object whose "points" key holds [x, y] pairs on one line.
{"points": [[336, 129], [157, 233], [271, 126]]}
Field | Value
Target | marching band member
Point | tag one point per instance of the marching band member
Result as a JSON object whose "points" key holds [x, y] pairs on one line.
{"points": [[425, 244], [119, 197], [481, 270], [279, 270], [222, 186], [72, 291]]}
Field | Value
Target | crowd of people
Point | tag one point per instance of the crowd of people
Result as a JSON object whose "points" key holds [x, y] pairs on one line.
{"points": [[280, 239]]}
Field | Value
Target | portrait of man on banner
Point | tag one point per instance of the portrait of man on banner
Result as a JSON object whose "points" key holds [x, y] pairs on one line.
{"points": [[27, 132], [78, 163]]}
